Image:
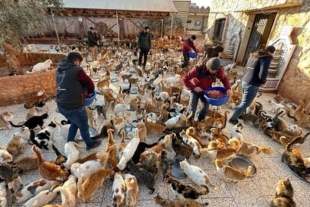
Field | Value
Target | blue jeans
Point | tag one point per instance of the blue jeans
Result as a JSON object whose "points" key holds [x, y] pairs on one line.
{"points": [[79, 120], [194, 102], [249, 93]]}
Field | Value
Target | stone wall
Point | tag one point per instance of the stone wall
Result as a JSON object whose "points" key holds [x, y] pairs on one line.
{"points": [[295, 83], [16, 89]]}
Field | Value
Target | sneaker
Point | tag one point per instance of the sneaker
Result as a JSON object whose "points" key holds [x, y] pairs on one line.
{"points": [[96, 143], [233, 122]]}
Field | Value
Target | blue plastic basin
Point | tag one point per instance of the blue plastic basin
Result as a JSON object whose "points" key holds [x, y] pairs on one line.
{"points": [[216, 101], [192, 54]]}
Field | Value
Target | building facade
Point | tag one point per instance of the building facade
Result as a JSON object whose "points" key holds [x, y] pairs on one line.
{"points": [[249, 25]]}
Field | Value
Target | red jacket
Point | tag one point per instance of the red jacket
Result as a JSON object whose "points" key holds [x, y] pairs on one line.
{"points": [[200, 77], [188, 45]]}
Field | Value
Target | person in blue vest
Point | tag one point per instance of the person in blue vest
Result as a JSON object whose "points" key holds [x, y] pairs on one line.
{"points": [[70, 83]]}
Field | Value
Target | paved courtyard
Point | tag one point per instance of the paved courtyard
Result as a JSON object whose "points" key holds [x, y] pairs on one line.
{"points": [[256, 191]]}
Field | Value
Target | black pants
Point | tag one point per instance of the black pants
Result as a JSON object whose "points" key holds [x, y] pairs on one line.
{"points": [[143, 52], [186, 60]]}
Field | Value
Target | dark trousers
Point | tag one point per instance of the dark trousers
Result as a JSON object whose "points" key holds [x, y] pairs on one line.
{"points": [[143, 52], [186, 60], [194, 98]]}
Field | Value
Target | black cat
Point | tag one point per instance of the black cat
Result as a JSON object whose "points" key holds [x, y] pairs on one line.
{"points": [[140, 149], [33, 122]]}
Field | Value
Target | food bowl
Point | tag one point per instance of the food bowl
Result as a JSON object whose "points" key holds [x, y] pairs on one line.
{"points": [[216, 101], [90, 100], [242, 163], [192, 54]]}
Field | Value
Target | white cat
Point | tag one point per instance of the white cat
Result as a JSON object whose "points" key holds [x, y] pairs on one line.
{"points": [[64, 130], [71, 153], [193, 143], [118, 189], [132, 189], [41, 67], [32, 189], [276, 107], [129, 150], [172, 121], [87, 168], [68, 192], [197, 175], [236, 132], [41, 199]]}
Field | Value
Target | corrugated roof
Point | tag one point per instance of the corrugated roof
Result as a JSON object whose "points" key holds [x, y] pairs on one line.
{"points": [[129, 5]]}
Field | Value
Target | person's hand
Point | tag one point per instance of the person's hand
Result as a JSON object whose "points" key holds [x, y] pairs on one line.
{"points": [[198, 89], [229, 94], [88, 95]]}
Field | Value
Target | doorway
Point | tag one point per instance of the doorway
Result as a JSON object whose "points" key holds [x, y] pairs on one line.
{"points": [[260, 32]]}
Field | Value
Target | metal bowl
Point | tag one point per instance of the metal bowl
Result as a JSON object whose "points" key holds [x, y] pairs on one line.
{"points": [[296, 174], [92, 132], [113, 80], [242, 163]]}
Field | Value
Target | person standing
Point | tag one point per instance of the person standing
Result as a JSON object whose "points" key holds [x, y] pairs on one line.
{"points": [[254, 77], [70, 83], [188, 46], [200, 78], [93, 43], [144, 44]]}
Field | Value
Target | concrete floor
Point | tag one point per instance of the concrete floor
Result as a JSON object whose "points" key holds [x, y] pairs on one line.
{"points": [[256, 191]]}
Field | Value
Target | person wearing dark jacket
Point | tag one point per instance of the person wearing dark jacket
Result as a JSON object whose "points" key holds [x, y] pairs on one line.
{"points": [[144, 44], [200, 78], [93, 43], [254, 77], [188, 46], [71, 82]]}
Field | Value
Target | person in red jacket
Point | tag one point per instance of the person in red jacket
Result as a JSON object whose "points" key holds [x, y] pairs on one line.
{"points": [[187, 47], [200, 78]]}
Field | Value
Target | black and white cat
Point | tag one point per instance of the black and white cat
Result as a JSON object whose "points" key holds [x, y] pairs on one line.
{"points": [[33, 122], [45, 137]]}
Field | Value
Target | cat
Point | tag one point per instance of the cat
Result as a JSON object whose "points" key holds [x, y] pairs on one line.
{"points": [[3, 194], [293, 158], [197, 149], [87, 186], [49, 170], [279, 124], [153, 128], [142, 175], [5, 156], [118, 188], [140, 149], [284, 195], [31, 113], [92, 117], [149, 161], [164, 163], [293, 130], [27, 134], [68, 192], [191, 131], [27, 163], [122, 144], [197, 175], [182, 190], [41, 67], [89, 166], [42, 198], [132, 190], [165, 202], [181, 148], [113, 156], [31, 189], [129, 150], [10, 173], [92, 156], [60, 159], [142, 131], [215, 135], [104, 130], [303, 119], [248, 149], [45, 138], [72, 153], [299, 139], [231, 173], [104, 83], [5, 118], [236, 132], [16, 145], [33, 122], [227, 153]]}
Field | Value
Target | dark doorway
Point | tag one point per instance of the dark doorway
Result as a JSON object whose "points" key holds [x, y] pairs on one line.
{"points": [[259, 34]]}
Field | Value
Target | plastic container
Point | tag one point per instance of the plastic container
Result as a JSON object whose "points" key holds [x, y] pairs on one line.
{"points": [[90, 100], [216, 101], [192, 54]]}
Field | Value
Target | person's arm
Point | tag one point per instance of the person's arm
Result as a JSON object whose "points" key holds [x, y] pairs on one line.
{"points": [[86, 81], [194, 47], [264, 65], [189, 79]]}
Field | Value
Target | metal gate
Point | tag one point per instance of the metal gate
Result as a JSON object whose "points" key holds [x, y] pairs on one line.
{"points": [[256, 35]]}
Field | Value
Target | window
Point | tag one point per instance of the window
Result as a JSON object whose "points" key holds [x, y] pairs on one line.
{"points": [[219, 28], [197, 22]]}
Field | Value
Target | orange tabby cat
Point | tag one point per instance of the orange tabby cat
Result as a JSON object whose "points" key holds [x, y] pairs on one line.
{"points": [[93, 156], [104, 83], [27, 163], [231, 173], [142, 131], [248, 149], [303, 120], [191, 131], [223, 153], [219, 137], [88, 186], [5, 117], [49, 170], [153, 128], [163, 113], [132, 190], [122, 144]]}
